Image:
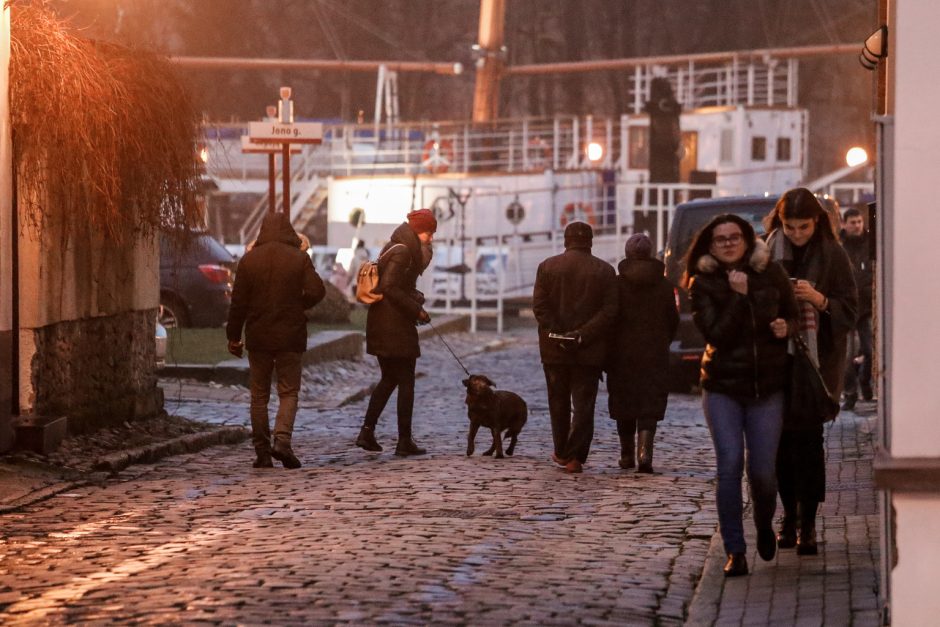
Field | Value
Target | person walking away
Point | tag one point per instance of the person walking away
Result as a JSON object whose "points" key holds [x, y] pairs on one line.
{"points": [[855, 241], [274, 285], [638, 370], [741, 302], [801, 240], [575, 303], [390, 328]]}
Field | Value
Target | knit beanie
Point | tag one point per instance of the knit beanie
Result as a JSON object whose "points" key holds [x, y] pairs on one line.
{"points": [[638, 246], [422, 221]]}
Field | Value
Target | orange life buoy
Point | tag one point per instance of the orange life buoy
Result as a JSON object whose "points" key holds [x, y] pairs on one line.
{"points": [[578, 211], [437, 155]]}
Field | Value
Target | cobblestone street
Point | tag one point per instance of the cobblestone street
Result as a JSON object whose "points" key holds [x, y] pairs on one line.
{"points": [[357, 537]]}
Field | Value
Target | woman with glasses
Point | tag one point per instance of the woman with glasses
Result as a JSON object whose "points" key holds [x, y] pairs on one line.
{"points": [[741, 302], [803, 242]]}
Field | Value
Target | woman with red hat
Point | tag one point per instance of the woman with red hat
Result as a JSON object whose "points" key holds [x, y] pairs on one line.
{"points": [[390, 327]]}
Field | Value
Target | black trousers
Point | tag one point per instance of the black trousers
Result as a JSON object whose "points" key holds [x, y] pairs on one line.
{"points": [[572, 386], [856, 374], [396, 373], [801, 468]]}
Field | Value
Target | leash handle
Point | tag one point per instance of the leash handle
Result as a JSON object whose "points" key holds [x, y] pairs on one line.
{"points": [[449, 348]]}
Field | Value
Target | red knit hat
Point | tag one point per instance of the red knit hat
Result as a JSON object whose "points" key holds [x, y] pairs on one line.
{"points": [[422, 221]]}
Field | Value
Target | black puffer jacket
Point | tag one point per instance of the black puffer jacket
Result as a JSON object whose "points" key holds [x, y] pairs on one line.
{"points": [[575, 292], [390, 326], [742, 357], [638, 365], [274, 285]]}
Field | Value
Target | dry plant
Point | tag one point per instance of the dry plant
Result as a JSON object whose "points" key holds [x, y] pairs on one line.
{"points": [[104, 136]]}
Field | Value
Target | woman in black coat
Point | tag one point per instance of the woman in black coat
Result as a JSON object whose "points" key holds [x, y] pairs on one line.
{"points": [[803, 242], [638, 370], [741, 302], [390, 328]]}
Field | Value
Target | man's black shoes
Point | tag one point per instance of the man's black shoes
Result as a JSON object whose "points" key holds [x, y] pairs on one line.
{"points": [[286, 457], [736, 566]]}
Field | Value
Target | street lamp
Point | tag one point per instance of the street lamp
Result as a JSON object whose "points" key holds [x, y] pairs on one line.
{"points": [[594, 152]]}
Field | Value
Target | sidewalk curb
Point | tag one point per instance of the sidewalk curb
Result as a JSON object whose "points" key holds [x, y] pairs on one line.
{"points": [[191, 443], [42, 494], [703, 608]]}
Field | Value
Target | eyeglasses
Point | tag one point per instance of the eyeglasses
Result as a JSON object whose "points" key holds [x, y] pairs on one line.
{"points": [[731, 240]]}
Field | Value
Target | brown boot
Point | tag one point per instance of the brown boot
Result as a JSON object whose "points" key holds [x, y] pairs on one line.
{"points": [[366, 440]]}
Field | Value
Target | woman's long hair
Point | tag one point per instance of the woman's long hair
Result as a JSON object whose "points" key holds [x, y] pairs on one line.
{"points": [[702, 242], [800, 204]]}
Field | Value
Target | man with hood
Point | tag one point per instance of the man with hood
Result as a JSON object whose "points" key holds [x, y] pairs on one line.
{"points": [[575, 303], [638, 366], [390, 328], [274, 285]]}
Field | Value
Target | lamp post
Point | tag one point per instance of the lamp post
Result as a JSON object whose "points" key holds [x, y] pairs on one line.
{"points": [[271, 111], [285, 111]]}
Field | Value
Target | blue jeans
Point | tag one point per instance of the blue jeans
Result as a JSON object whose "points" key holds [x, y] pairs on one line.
{"points": [[735, 425]]}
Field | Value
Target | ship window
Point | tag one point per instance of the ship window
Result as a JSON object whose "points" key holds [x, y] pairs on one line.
{"points": [[727, 145], [783, 149], [639, 140], [758, 149]]}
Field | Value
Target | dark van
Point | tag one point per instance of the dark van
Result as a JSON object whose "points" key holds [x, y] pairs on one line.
{"points": [[686, 350]]}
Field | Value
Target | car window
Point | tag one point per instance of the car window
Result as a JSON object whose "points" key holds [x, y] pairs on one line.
{"points": [[204, 249], [693, 220]]}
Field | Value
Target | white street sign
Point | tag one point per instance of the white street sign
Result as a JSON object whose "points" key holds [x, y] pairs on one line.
{"points": [[251, 147], [298, 133]]}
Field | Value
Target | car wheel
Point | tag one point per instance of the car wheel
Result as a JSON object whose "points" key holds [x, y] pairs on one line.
{"points": [[172, 314]]}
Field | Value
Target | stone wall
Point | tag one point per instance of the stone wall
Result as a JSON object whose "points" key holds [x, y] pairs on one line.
{"points": [[97, 372]]}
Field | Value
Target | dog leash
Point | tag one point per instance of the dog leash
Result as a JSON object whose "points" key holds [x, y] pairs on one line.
{"points": [[449, 348]]}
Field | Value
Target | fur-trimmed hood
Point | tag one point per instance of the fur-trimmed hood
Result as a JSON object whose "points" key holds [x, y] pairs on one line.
{"points": [[759, 260]]}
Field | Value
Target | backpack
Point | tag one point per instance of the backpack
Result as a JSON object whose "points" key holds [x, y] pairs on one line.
{"points": [[367, 280]]}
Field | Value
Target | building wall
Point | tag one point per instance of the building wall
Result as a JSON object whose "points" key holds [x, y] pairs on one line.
{"points": [[913, 406], [6, 237], [87, 317]]}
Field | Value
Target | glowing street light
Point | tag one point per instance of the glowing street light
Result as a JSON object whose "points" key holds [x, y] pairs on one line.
{"points": [[856, 156], [595, 151]]}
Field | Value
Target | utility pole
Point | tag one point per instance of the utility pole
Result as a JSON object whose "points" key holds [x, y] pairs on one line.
{"points": [[490, 60]]}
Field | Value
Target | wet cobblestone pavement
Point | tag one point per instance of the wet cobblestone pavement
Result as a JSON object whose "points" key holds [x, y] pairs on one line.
{"points": [[365, 538]]}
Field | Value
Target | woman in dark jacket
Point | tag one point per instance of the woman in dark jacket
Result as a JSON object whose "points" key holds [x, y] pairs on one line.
{"points": [[741, 302], [390, 328], [802, 241], [637, 377]]}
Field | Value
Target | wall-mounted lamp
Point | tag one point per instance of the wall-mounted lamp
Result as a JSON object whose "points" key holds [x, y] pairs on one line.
{"points": [[874, 49]]}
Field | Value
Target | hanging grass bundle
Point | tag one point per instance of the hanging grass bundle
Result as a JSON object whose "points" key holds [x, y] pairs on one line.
{"points": [[103, 135]]}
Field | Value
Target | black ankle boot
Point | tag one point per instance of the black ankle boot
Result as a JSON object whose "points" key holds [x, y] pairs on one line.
{"points": [[626, 430], [786, 539], [736, 566], [645, 444], [806, 543], [407, 446], [366, 439]]}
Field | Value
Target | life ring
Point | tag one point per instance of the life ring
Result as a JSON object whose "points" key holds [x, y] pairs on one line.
{"points": [[578, 211], [437, 155], [539, 154]]}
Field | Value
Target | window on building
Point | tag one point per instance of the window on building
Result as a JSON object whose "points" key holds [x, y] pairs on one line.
{"points": [[758, 149], [783, 149], [726, 148]]}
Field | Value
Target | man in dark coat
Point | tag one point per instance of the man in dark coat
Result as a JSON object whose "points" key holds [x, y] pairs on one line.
{"points": [[855, 240], [274, 285], [575, 303], [390, 328], [637, 376]]}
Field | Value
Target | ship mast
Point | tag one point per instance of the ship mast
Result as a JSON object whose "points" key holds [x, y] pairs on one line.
{"points": [[490, 61]]}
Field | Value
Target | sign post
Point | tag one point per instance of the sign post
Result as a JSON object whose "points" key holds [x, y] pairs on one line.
{"points": [[281, 134]]}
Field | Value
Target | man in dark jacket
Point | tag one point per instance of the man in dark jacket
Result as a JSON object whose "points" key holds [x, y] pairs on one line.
{"points": [[855, 240], [274, 285], [575, 303]]}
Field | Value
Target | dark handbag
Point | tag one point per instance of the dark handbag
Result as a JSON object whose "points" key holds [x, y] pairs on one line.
{"points": [[809, 402]]}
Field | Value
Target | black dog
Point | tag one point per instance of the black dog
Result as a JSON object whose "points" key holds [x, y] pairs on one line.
{"points": [[497, 410]]}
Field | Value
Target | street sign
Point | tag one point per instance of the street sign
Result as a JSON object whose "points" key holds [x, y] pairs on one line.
{"points": [[297, 133], [269, 148]]}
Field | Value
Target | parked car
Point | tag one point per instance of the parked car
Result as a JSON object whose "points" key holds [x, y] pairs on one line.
{"points": [[195, 282], [686, 350]]}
